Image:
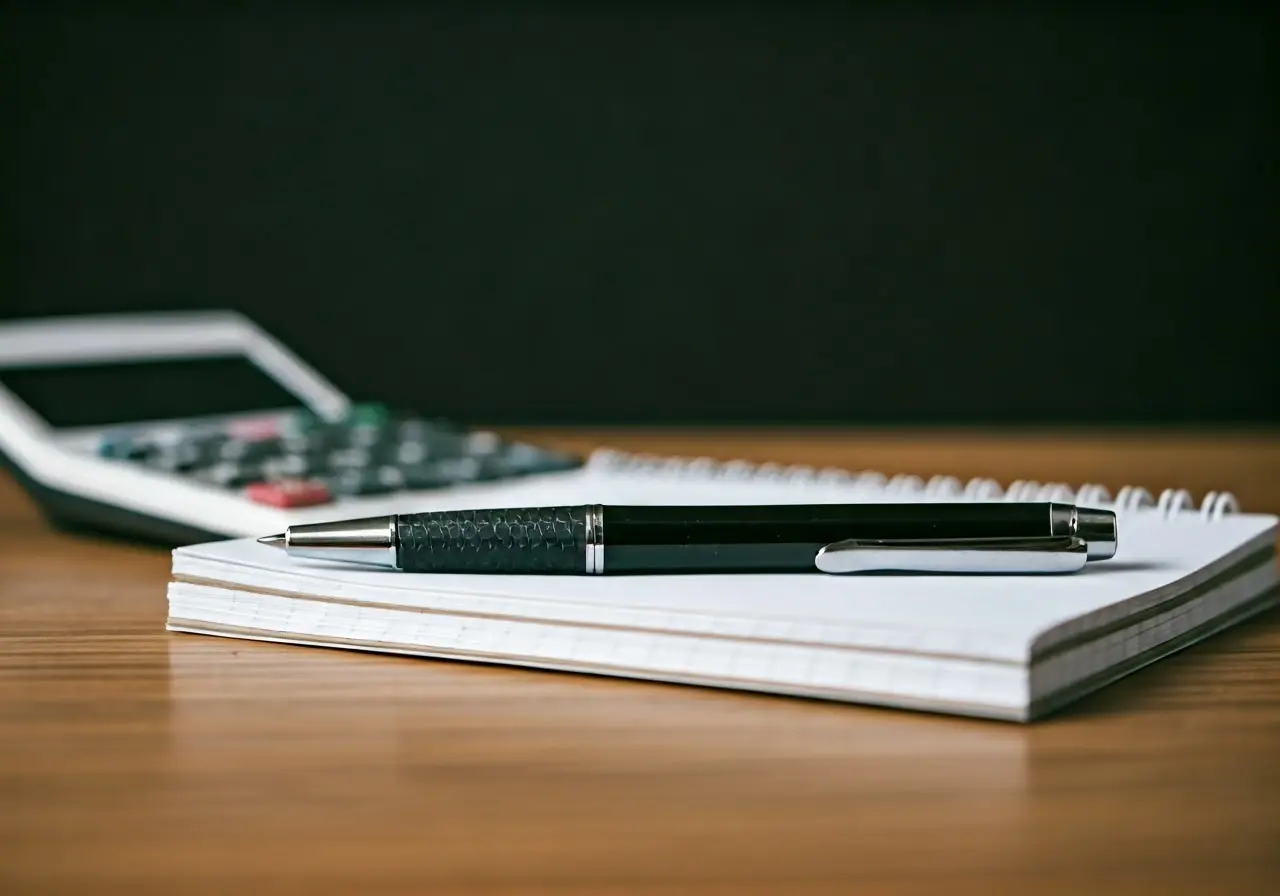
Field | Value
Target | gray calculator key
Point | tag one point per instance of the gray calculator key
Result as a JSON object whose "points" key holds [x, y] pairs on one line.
{"points": [[483, 443], [390, 477], [462, 469], [412, 454], [365, 436], [230, 475], [179, 458], [425, 476], [350, 458], [288, 466], [358, 482]]}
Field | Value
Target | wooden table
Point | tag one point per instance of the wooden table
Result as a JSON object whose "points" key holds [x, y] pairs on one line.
{"points": [[137, 761]]}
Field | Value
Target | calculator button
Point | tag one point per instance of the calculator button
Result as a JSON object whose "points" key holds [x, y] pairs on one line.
{"points": [[358, 482], [253, 430], [415, 429], [122, 446], [301, 422], [169, 437], [441, 444], [207, 443], [425, 476], [483, 443], [110, 444], [350, 458], [257, 449], [182, 457], [289, 493], [261, 449], [368, 414], [391, 478], [411, 453], [462, 469], [365, 436], [311, 442], [288, 466], [229, 475], [231, 450]]}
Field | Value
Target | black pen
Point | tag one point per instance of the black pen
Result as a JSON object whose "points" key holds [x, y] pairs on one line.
{"points": [[593, 539]]}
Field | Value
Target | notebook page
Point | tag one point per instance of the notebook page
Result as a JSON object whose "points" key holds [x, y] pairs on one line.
{"points": [[995, 617]]}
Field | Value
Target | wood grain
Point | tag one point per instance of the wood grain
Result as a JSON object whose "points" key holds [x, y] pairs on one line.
{"points": [[137, 761]]}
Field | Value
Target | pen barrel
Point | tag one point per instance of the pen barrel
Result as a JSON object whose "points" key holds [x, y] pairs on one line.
{"points": [[787, 538], [524, 540]]}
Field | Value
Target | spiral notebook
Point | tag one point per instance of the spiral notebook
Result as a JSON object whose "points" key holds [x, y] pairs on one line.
{"points": [[1004, 647]]}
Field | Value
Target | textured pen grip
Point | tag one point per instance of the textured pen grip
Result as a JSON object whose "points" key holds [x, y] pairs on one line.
{"points": [[525, 540]]}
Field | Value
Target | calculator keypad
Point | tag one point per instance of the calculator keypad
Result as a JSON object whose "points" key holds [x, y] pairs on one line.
{"points": [[308, 461]]}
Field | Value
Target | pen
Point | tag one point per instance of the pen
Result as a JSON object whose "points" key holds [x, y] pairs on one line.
{"points": [[594, 539]]}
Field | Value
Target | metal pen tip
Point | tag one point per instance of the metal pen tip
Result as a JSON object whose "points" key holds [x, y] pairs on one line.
{"points": [[275, 541]]}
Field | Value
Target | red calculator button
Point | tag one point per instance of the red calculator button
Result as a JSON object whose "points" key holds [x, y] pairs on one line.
{"points": [[253, 429], [288, 493]]}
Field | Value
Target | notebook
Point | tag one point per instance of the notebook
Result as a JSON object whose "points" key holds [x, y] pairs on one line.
{"points": [[1001, 647]]}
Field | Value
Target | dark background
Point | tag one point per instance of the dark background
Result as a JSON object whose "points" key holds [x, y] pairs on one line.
{"points": [[666, 213]]}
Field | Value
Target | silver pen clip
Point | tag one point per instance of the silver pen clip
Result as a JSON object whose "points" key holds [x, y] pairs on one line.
{"points": [[1047, 554]]}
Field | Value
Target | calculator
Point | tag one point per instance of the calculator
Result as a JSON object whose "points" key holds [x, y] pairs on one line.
{"points": [[196, 426]]}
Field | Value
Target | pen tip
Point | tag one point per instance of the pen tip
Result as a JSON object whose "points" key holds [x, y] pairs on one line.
{"points": [[275, 541]]}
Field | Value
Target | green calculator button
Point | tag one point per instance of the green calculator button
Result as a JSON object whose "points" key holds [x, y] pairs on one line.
{"points": [[370, 414]]}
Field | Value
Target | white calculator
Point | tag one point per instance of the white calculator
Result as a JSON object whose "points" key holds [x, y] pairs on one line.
{"points": [[203, 426]]}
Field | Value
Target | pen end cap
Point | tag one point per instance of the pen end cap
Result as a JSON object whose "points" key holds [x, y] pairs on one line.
{"points": [[1098, 529]]}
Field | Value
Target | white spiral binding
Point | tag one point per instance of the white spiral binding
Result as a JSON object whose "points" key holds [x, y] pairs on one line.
{"points": [[1130, 498]]}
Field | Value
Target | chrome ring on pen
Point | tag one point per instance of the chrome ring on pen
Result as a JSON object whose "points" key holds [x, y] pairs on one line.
{"points": [[595, 540]]}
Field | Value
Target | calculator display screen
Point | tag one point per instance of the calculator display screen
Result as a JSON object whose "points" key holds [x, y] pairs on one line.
{"points": [[138, 391]]}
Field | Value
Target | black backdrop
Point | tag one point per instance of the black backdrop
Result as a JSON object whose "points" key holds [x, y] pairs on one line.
{"points": [[673, 212]]}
